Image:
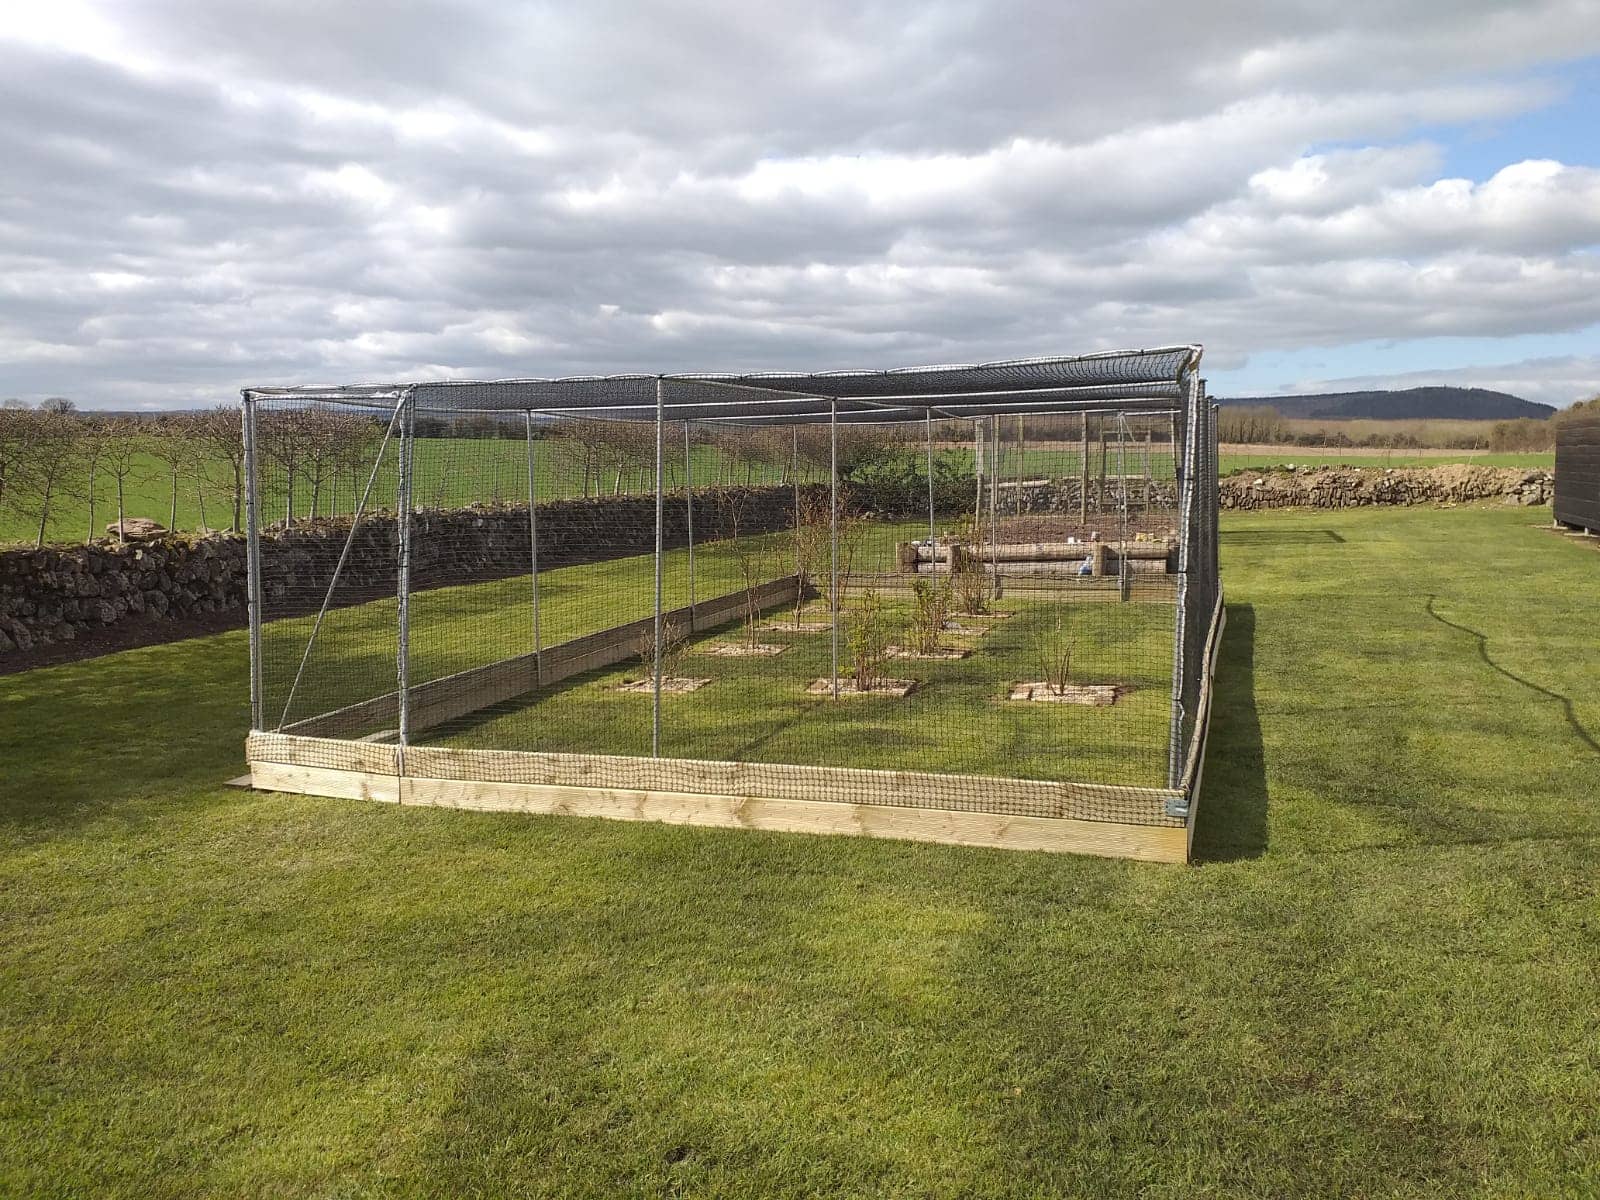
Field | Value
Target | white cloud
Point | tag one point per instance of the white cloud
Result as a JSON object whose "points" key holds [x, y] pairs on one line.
{"points": [[202, 195]]}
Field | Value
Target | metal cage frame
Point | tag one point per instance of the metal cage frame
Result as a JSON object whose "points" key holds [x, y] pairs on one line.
{"points": [[1163, 381]]}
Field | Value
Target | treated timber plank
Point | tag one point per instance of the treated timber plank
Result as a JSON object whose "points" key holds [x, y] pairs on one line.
{"points": [[1193, 784], [325, 781], [953, 793], [1053, 834], [958, 793]]}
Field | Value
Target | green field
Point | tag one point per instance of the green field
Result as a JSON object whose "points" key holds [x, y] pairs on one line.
{"points": [[1380, 981], [450, 472], [454, 472]]}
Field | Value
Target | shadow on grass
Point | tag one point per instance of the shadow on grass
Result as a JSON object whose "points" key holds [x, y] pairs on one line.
{"points": [[1578, 731], [1232, 823], [1277, 537]]}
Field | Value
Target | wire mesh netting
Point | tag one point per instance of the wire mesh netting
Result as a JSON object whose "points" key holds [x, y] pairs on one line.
{"points": [[693, 579]]}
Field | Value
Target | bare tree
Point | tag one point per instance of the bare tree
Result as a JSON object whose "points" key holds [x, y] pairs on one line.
{"points": [[219, 458], [171, 440], [580, 443], [125, 442], [92, 444], [49, 464], [15, 431]]}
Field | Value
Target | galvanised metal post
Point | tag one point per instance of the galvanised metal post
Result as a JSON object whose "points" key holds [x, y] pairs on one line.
{"points": [[1185, 472], [533, 546], [403, 583], [933, 541], [994, 501], [655, 712], [1123, 581], [688, 499], [794, 473], [833, 532], [252, 553]]}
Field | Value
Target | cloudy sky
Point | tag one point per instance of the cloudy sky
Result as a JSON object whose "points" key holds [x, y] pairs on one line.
{"points": [[199, 195]]}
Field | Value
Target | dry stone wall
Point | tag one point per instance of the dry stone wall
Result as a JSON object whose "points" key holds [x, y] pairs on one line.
{"points": [[58, 594], [1360, 487]]}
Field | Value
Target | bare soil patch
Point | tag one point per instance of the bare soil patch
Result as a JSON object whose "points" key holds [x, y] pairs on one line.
{"points": [[938, 654], [847, 687], [1094, 695], [795, 626], [673, 685]]}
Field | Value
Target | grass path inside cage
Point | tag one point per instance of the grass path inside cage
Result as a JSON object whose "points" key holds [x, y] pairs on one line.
{"points": [[454, 629], [957, 720]]}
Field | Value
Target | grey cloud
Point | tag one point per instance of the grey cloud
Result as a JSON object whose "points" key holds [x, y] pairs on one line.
{"points": [[279, 192]]}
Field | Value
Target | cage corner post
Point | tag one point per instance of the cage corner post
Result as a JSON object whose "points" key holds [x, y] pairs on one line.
{"points": [[688, 507], [833, 535], [655, 704], [1183, 467], [533, 547], [933, 537], [253, 593], [403, 501]]}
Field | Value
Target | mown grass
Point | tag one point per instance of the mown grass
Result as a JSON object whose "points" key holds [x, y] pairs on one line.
{"points": [[757, 709], [1380, 982]]}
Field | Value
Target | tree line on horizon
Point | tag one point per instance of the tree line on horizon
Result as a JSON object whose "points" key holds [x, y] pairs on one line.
{"points": [[1265, 425]]}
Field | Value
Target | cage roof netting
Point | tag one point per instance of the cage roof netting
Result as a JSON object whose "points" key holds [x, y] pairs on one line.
{"points": [[1064, 383]]}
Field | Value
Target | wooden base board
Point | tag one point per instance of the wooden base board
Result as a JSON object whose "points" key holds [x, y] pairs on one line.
{"points": [[1056, 834]]}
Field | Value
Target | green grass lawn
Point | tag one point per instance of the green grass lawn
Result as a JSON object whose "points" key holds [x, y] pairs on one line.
{"points": [[1381, 981], [450, 472], [757, 709]]}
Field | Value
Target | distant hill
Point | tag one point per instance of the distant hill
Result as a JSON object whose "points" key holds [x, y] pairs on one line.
{"points": [[1419, 403]]}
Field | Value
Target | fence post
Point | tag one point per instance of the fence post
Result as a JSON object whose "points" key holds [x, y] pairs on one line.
{"points": [[655, 712], [533, 549], [933, 539], [688, 499], [833, 532], [252, 554], [994, 502], [1186, 483], [1083, 479], [403, 580]]}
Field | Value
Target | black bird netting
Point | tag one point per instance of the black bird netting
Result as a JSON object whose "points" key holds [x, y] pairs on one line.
{"points": [[982, 589]]}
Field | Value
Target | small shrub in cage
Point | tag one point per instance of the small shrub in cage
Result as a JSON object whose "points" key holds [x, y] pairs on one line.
{"points": [[971, 580], [674, 648], [812, 539], [931, 601], [1053, 652], [869, 636]]}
